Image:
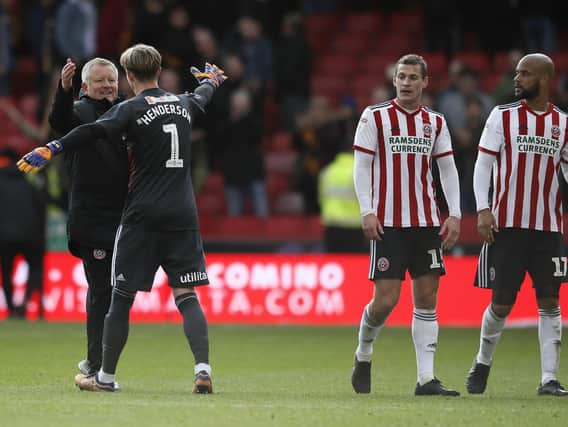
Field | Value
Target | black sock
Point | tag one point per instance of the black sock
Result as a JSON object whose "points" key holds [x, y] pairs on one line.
{"points": [[194, 326], [98, 303], [116, 328]]}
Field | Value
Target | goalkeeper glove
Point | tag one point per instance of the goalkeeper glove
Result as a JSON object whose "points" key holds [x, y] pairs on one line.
{"points": [[212, 74], [38, 157]]}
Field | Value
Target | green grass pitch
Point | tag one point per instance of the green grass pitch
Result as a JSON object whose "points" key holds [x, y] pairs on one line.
{"points": [[267, 376]]}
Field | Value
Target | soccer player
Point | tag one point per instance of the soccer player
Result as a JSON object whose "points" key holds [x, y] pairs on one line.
{"points": [[394, 145], [98, 184], [159, 225], [525, 144]]}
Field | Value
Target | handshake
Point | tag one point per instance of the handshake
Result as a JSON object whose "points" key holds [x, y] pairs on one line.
{"points": [[211, 73]]}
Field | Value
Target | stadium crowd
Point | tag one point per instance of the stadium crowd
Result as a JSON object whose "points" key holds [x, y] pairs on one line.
{"points": [[300, 74]]}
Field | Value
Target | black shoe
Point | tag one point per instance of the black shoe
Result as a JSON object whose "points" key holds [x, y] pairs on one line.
{"points": [[477, 378], [552, 388], [361, 377], [434, 388]]}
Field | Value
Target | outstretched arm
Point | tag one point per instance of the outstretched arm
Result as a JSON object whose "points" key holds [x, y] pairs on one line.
{"points": [[209, 80], [113, 122], [40, 156]]}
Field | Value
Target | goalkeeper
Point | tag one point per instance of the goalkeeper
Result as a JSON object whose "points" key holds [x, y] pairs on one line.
{"points": [[159, 225]]}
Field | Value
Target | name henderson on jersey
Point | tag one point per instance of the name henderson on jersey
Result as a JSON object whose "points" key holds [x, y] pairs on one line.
{"points": [[415, 144], [160, 110], [537, 144]]}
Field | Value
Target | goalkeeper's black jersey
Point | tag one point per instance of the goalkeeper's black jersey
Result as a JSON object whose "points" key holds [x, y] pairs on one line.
{"points": [[157, 124]]}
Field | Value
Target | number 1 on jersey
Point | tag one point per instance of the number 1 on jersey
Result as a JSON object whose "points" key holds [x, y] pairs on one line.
{"points": [[174, 161], [560, 264]]}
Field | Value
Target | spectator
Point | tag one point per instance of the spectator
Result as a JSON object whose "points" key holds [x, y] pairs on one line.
{"points": [[22, 227], [339, 205], [219, 107], [206, 46], [176, 43], [292, 69], [76, 29], [6, 60], [40, 37], [453, 103], [319, 133], [380, 94], [465, 150], [149, 22], [504, 92], [242, 159], [114, 27], [539, 28], [256, 50], [562, 91]]}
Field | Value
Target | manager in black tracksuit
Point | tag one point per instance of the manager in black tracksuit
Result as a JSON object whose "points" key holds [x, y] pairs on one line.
{"points": [[98, 185]]}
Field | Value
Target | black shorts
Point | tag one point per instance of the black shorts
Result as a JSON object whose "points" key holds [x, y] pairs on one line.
{"points": [[502, 265], [416, 249], [97, 265], [139, 252]]}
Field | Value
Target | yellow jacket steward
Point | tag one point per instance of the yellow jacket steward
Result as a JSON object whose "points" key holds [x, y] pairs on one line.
{"points": [[338, 201]]}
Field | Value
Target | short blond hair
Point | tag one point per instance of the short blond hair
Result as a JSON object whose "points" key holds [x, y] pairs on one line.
{"points": [[142, 60], [86, 71]]}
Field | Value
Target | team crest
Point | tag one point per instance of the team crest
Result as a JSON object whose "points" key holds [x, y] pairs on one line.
{"points": [[555, 130], [383, 264], [427, 129], [492, 274], [99, 254]]}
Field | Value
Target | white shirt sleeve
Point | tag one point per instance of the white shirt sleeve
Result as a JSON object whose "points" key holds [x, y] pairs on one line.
{"points": [[482, 179], [366, 133], [443, 143], [450, 184], [365, 145], [362, 172], [492, 137]]}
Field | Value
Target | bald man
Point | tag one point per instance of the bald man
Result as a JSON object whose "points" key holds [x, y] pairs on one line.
{"points": [[524, 144]]}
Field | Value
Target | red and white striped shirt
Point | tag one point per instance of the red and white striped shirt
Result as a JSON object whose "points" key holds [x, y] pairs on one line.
{"points": [[402, 145], [528, 148]]}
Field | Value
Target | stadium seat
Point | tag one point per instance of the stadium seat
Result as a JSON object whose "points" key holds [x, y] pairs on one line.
{"points": [[405, 23], [24, 76], [210, 204], [364, 22], [377, 65], [335, 65], [490, 81], [560, 62], [394, 45], [437, 63], [215, 183], [288, 203], [350, 44], [276, 183], [479, 61], [501, 62], [328, 86], [28, 105], [281, 142], [319, 28]]}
